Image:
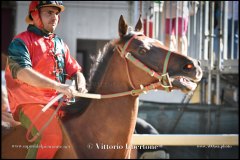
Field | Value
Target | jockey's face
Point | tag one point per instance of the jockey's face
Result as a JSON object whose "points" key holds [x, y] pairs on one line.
{"points": [[49, 17]]}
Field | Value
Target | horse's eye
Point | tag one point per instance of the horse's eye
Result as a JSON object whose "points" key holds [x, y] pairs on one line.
{"points": [[142, 51]]}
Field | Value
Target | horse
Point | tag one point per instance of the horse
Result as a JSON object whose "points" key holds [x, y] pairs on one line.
{"points": [[103, 128]]}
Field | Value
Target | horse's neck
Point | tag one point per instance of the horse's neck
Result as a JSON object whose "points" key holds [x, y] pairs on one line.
{"points": [[115, 78], [109, 121]]}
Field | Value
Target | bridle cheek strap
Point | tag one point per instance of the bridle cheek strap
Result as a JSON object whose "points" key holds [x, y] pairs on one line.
{"points": [[165, 66]]}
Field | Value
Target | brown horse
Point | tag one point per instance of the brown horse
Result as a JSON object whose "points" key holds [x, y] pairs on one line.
{"points": [[103, 128]]}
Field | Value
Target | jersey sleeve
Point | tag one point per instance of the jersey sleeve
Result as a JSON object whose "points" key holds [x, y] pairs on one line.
{"points": [[71, 64], [18, 57]]}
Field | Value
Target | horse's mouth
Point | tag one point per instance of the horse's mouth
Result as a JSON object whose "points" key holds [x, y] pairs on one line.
{"points": [[185, 84]]}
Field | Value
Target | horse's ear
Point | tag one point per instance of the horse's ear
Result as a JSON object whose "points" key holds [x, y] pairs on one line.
{"points": [[139, 25], [122, 26]]}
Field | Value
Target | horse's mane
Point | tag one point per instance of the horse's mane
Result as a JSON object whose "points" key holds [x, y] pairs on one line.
{"points": [[100, 63]]}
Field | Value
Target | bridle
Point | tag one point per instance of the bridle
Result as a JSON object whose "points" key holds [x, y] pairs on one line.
{"points": [[163, 78]]}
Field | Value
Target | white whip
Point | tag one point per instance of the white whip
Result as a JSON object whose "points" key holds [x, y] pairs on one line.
{"points": [[52, 101]]}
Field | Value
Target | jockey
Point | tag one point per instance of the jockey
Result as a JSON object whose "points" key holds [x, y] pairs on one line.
{"points": [[39, 62]]}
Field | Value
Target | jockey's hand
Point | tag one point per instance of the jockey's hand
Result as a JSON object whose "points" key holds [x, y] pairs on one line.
{"points": [[81, 81], [66, 90]]}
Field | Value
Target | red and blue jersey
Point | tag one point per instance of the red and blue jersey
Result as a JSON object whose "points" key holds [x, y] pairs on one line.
{"points": [[46, 54]]}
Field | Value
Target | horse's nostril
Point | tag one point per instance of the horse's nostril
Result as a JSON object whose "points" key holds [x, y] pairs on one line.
{"points": [[199, 63]]}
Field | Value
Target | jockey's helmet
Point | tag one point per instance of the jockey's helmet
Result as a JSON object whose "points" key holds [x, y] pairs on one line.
{"points": [[33, 12]]}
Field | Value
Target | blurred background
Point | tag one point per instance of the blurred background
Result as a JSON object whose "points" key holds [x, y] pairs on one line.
{"points": [[212, 37]]}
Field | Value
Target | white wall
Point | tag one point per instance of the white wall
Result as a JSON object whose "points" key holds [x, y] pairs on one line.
{"points": [[175, 96]]}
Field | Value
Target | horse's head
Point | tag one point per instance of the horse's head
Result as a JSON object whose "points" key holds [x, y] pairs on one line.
{"points": [[184, 72]]}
